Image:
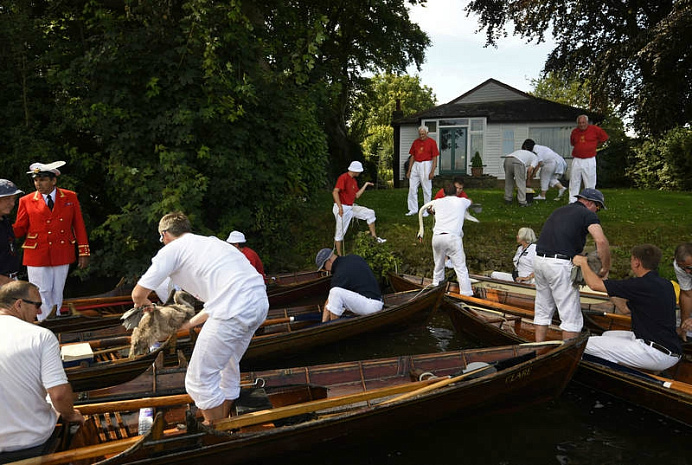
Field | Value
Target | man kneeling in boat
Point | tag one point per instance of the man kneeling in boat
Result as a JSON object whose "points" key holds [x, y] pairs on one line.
{"points": [[653, 343], [30, 368], [353, 287]]}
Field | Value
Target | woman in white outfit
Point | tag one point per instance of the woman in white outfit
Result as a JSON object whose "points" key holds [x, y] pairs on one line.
{"points": [[523, 259]]}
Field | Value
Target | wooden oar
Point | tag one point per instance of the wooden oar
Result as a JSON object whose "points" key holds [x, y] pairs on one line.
{"points": [[133, 404], [266, 416], [529, 313], [672, 384], [263, 416], [437, 385], [81, 453]]}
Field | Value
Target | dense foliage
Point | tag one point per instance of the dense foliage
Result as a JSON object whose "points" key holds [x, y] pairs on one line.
{"points": [[224, 110], [635, 54], [373, 112], [664, 164]]}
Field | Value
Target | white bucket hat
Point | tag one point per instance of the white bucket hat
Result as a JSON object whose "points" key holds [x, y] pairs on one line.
{"points": [[236, 237], [356, 167]]}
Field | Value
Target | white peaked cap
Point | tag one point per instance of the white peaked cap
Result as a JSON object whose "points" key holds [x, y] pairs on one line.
{"points": [[36, 168]]}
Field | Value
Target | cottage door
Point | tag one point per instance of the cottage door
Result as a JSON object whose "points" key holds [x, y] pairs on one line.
{"points": [[453, 143]]}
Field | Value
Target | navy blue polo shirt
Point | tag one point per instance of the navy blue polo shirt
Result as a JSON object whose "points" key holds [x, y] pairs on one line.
{"points": [[352, 272]]}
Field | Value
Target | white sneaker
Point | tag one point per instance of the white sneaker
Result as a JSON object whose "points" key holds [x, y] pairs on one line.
{"points": [[411, 213], [540, 197], [380, 240]]}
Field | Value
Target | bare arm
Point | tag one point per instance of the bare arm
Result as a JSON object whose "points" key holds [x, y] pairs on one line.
{"points": [[602, 247], [140, 296], [337, 201], [61, 397], [196, 320], [592, 279], [362, 189]]}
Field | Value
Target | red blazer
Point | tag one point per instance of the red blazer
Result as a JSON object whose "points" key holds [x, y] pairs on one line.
{"points": [[51, 235]]}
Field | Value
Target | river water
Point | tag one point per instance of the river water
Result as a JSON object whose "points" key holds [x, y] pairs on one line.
{"points": [[580, 427]]}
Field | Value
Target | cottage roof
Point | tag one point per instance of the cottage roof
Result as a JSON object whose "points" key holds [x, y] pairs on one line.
{"points": [[499, 103]]}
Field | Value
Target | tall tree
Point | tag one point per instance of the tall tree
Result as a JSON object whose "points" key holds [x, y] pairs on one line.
{"points": [[635, 53], [372, 115]]}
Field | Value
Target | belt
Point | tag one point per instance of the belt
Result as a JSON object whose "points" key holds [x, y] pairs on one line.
{"points": [[554, 255], [660, 348]]}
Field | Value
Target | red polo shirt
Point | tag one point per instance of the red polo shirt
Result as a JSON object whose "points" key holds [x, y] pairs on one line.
{"points": [[586, 142], [424, 150], [348, 187]]}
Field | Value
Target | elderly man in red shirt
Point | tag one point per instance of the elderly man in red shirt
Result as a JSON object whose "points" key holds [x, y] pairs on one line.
{"points": [[585, 139], [345, 194], [421, 169]]}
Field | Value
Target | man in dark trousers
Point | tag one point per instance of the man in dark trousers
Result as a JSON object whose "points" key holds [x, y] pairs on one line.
{"points": [[563, 236], [354, 286], [653, 343]]}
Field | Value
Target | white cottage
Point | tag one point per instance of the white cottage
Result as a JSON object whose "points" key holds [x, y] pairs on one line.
{"points": [[492, 119]]}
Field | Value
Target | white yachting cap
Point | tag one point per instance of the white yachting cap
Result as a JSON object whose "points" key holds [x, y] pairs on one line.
{"points": [[38, 168], [356, 167], [236, 237]]}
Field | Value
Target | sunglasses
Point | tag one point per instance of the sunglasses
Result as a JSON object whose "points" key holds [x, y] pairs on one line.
{"points": [[682, 266], [35, 304]]}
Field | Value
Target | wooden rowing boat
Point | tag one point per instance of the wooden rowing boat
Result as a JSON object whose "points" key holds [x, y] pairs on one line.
{"points": [[600, 313], [104, 310], [110, 365], [276, 342], [669, 394], [305, 407], [298, 288], [286, 333]]}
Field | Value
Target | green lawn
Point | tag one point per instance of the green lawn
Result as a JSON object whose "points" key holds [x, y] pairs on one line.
{"points": [[633, 217]]}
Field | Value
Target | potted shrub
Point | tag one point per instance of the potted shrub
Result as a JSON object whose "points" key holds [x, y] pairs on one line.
{"points": [[477, 165]]}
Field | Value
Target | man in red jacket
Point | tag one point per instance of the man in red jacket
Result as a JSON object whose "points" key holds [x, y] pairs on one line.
{"points": [[585, 139], [51, 219]]}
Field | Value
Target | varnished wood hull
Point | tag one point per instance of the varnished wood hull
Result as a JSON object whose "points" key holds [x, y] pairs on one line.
{"points": [[518, 385], [598, 311], [492, 327]]}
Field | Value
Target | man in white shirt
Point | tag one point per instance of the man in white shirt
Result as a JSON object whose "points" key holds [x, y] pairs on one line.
{"points": [[449, 212], [552, 166], [235, 305], [519, 167], [30, 370]]}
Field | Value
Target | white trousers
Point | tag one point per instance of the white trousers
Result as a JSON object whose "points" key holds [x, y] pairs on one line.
{"points": [[554, 289], [420, 176], [51, 284], [451, 245], [583, 169], [548, 175], [213, 374], [624, 348], [350, 212], [341, 299]]}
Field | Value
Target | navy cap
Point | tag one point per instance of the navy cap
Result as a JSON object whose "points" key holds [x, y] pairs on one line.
{"points": [[322, 256], [594, 195], [8, 188]]}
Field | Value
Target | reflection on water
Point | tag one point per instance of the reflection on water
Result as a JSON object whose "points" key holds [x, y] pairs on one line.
{"points": [[581, 427]]}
